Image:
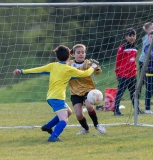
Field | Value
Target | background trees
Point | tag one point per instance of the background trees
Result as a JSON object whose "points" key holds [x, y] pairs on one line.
{"points": [[29, 34]]}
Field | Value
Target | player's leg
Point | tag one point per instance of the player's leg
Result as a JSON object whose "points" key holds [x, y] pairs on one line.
{"points": [[78, 108], [149, 80], [131, 88], [93, 116], [140, 68], [60, 126], [91, 112], [69, 110], [60, 108], [122, 85], [77, 102], [48, 126]]}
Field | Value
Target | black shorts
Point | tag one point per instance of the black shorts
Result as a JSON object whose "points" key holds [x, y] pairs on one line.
{"points": [[78, 99]]}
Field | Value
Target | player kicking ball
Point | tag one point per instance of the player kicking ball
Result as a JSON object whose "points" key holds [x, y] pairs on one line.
{"points": [[57, 87], [79, 89]]}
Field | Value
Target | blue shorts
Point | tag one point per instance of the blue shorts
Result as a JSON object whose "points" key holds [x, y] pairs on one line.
{"points": [[57, 105]]}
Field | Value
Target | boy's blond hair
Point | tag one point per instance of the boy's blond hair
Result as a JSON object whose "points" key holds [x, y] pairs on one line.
{"points": [[147, 25]]}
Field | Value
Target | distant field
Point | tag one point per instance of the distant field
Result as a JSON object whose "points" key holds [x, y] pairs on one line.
{"points": [[120, 142]]}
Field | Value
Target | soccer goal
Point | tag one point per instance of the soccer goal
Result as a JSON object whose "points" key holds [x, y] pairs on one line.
{"points": [[29, 33]]}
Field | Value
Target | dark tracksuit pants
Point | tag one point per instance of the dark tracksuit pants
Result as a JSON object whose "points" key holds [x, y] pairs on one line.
{"points": [[123, 84], [149, 90], [140, 68]]}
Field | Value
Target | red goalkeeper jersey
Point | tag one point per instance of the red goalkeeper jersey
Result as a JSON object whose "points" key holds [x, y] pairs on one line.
{"points": [[126, 61]]}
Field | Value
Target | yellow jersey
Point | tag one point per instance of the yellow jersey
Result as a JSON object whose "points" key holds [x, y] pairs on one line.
{"points": [[60, 74]]}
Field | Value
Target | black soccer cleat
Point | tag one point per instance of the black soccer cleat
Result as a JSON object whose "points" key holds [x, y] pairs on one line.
{"points": [[118, 113], [44, 128]]}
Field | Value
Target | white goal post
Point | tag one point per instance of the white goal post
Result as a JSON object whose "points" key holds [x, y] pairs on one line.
{"points": [[30, 31]]}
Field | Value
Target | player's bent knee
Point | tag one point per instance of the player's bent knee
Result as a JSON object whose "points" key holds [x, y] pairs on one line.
{"points": [[69, 112]]}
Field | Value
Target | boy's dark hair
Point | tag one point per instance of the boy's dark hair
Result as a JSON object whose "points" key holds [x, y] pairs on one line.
{"points": [[130, 31], [151, 32], [62, 53]]}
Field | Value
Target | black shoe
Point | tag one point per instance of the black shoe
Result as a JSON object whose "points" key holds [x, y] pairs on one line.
{"points": [[54, 139], [44, 128], [118, 113]]}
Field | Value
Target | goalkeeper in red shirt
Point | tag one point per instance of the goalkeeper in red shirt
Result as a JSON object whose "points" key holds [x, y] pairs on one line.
{"points": [[126, 69]]}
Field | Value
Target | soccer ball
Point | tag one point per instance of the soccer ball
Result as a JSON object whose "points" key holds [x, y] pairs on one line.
{"points": [[95, 97]]}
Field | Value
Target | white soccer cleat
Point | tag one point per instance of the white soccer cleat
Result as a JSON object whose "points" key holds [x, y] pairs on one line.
{"points": [[101, 129], [82, 131], [148, 112]]}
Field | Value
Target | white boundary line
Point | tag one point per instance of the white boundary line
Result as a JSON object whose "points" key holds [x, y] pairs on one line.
{"points": [[68, 126], [76, 126], [142, 125]]}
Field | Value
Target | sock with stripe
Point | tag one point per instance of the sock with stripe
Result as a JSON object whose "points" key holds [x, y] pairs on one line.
{"points": [[84, 124], [94, 118]]}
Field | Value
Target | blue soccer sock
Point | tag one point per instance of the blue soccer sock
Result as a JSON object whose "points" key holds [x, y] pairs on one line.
{"points": [[58, 129], [52, 122]]}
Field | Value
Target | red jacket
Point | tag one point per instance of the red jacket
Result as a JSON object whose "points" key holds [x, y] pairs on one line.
{"points": [[126, 61]]}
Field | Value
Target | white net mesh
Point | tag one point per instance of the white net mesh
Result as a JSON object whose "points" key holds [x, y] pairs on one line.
{"points": [[29, 34]]}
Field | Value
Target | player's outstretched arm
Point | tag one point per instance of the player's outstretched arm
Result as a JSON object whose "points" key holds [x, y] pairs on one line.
{"points": [[38, 70], [79, 73]]}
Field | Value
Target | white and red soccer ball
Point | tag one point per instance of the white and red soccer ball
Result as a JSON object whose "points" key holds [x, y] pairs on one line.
{"points": [[95, 97]]}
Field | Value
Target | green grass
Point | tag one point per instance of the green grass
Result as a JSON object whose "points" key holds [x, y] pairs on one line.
{"points": [[120, 142], [26, 91]]}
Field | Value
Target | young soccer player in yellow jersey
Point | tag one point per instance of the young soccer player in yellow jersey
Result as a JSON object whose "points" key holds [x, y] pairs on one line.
{"points": [[80, 87], [60, 74]]}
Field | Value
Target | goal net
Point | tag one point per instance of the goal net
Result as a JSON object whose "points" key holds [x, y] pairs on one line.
{"points": [[30, 32]]}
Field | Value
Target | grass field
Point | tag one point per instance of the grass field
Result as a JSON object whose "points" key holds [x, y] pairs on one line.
{"points": [[19, 109], [120, 142]]}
